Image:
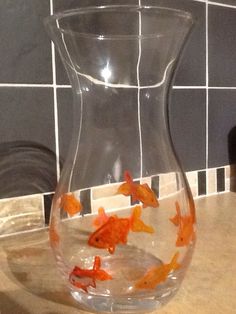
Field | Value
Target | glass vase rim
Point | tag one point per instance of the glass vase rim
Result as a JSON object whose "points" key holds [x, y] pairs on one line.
{"points": [[52, 19]]}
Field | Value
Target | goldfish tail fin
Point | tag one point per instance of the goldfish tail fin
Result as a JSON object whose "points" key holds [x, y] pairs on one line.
{"points": [[135, 216], [136, 223], [174, 264]]}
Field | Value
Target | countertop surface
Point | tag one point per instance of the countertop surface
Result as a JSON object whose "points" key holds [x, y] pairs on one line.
{"points": [[30, 284]]}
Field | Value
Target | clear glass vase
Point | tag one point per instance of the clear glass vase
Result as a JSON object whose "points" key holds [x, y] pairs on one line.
{"points": [[122, 225]]}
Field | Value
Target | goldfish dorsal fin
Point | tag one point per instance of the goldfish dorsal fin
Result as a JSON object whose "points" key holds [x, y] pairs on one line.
{"points": [[101, 218], [127, 176]]}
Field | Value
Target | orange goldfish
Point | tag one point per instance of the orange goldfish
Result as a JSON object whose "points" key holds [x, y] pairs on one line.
{"points": [[115, 230], [88, 277], [157, 274], [70, 204], [138, 192], [185, 223]]}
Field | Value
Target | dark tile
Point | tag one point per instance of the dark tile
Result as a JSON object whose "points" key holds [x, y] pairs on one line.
{"points": [[155, 185], [187, 125], [85, 199], [65, 120], [232, 146], [27, 145], [25, 48], [191, 69], [225, 2], [47, 206], [28, 116], [201, 182], [220, 175], [222, 125], [222, 46]]}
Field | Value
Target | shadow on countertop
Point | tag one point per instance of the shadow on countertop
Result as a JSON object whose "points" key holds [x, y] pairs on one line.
{"points": [[10, 306], [30, 265]]}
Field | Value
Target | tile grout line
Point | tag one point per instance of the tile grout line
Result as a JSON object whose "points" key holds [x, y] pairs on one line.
{"points": [[203, 87], [43, 211], [55, 102], [207, 91], [138, 94], [188, 87], [25, 85], [34, 85], [28, 85], [220, 4]]}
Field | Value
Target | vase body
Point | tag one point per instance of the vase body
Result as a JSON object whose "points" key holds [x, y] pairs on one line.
{"points": [[122, 225]]}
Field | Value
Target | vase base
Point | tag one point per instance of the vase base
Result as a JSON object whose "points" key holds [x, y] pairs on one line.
{"points": [[113, 305], [119, 295]]}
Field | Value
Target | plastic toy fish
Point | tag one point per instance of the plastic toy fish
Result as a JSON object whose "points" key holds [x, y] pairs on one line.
{"points": [[70, 204], [138, 192], [157, 274], [185, 223], [115, 230], [84, 278]]}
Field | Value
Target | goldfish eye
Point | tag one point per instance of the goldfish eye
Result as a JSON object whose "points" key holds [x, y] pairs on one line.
{"points": [[97, 239]]}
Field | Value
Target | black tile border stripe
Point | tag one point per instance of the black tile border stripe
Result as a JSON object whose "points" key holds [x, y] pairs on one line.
{"points": [[222, 177], [202, 189], [220, 174], [47, 202]]}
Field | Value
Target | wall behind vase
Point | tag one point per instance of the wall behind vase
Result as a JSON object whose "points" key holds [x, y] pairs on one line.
{"points": [[35, 95]]}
